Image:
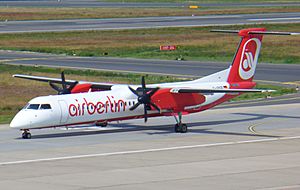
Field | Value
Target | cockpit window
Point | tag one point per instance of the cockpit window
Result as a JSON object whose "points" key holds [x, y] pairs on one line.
{"points": [[33, 106], [45, 107]]}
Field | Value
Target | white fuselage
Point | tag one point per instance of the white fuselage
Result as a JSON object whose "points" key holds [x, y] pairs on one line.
{"points": [[95, 106]]}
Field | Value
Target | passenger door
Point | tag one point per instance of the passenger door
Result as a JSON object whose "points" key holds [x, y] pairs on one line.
{"points": [[64, 115]]}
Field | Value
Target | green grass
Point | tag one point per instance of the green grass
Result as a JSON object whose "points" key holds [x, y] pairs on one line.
{"points": [[102, 76], [195, 43], [15, 93], [4, 119]]}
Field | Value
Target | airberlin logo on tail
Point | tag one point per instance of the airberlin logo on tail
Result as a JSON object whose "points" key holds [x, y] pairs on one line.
{"points": [[249, 58]]}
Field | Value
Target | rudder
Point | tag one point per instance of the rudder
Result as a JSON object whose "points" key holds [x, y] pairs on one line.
{"points": [[245, 60]]}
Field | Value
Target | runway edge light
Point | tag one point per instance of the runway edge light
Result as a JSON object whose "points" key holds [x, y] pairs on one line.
{"points": [[194, 7]]}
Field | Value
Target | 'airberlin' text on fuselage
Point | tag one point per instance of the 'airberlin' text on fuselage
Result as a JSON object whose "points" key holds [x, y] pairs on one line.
{"points": [[85, 107]]}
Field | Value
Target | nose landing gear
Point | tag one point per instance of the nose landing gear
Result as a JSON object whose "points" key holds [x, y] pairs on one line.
{"points": [[180, 127], [26, 134]]}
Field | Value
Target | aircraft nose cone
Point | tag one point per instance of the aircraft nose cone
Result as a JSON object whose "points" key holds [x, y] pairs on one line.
{"points": [[20, 121]]}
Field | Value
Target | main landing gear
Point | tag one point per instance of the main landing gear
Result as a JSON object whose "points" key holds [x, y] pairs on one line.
{"points": [[101, 124], [180, 127], [26, 134]]}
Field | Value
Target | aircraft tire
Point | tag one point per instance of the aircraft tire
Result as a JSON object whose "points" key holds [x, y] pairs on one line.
{"points": [[181, 128], [26, 135], [184, 128], [177, 128]]}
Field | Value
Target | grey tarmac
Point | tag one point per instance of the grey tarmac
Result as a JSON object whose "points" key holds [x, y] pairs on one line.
{"points": [[267, 73], [145, 22], [230, 148]]}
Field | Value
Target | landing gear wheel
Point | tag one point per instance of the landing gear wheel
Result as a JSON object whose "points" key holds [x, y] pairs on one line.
{"points": [[101, 124], [177, 128], [181, 128], [26, 135], [184, 128]]}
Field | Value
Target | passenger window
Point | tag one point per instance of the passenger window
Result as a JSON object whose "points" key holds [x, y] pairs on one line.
{"points": [[45, 107], [33, 106]]}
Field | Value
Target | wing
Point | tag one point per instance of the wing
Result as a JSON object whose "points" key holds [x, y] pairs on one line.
{"points": [[96, 85], [208, 91]]}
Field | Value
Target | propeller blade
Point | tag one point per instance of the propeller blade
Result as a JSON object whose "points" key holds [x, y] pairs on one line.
{"points": [[144, 98], [133, 91], [72, 86], [155, 106], [145, 113], [143, 84], [55, 87], [63, 80], [153, 91], [135, 106]]}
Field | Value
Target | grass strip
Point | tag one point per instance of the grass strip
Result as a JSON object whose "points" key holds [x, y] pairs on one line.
{"points": [[194, 43]]}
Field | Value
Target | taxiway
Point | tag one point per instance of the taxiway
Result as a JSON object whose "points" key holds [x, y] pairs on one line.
{"points": [[229, 148], [267, 73], [144, 22]]}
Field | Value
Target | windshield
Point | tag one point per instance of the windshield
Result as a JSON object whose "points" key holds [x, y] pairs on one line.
{"points": [[37, 107], [33, 106], [45, 107]]}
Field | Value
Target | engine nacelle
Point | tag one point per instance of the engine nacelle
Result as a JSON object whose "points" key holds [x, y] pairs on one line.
{"points": [[79, 88], [176, 101]]}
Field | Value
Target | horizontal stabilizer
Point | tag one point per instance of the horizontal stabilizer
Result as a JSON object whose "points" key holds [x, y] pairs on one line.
{"points": [[189, 90], [258, 32]]}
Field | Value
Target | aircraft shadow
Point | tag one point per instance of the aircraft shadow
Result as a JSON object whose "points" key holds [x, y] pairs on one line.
{"points": [[169, 128]]}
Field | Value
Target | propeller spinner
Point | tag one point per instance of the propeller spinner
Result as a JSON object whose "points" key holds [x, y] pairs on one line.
{"points": [[144, 97], [66, 86]]}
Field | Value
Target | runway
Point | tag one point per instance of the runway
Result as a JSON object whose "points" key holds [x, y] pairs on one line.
{"points": [[267, 73], [121, 3], [226, 148], [145, 22]]}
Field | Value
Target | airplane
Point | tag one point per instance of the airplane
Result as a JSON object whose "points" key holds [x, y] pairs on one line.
{"points": [[81, 102]]}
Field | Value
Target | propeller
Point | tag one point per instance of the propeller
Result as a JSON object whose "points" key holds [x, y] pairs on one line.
{"points": [[144, 97], [66, 86]]}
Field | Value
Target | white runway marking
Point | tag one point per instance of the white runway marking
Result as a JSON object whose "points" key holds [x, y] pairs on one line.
{"points": [[270, 19], [146, 150], [283, 187]]}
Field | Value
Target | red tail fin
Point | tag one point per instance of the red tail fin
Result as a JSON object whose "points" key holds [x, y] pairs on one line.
{"points": [[245, 60]]}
